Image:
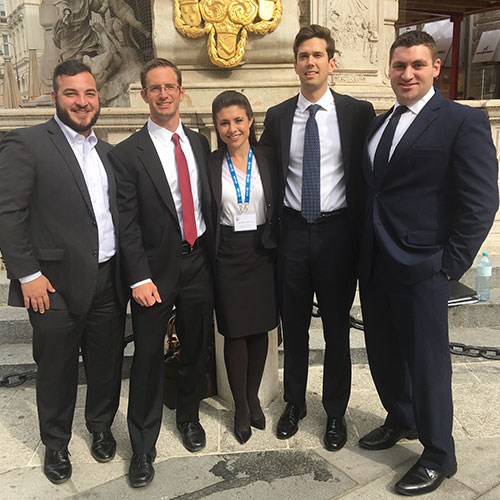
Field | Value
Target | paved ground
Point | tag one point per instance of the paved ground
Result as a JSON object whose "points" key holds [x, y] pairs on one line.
{"points": [[264, 468]]}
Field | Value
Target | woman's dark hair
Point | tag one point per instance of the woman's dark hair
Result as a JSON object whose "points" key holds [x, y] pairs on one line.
{"points": [[233, 98]]}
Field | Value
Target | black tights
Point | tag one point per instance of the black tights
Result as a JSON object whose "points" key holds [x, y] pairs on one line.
{"points": [[245, 358]]}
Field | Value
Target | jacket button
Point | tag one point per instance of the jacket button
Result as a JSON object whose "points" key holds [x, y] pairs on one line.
{"points": [[377, 195], [269, 204], [94, 253]]}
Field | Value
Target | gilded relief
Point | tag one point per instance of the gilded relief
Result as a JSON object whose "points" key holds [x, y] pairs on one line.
{"points": [[227, 23]]}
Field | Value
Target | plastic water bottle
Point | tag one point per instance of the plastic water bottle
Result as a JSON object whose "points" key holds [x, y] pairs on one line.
{"points": [[483, 278]]}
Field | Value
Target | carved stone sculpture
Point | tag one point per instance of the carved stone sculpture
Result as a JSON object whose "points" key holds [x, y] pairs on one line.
{"points": [[103, 34]]}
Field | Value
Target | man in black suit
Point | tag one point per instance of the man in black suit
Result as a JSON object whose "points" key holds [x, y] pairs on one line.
{"points": [[317, 137], [431, 179], [167, 244], [58, 217]]}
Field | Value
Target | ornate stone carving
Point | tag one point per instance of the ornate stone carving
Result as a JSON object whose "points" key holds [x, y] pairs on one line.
{"points": [[353, 27], [227, 23], [106, 35]]}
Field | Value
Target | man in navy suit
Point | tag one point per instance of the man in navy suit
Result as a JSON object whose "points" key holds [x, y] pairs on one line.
{"points": [[431, 179], [319, 250]]}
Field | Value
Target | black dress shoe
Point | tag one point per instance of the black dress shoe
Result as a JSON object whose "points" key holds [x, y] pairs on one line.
{"points": [[141, 471], [419, 480], [259, 422], [336, 433], [57, 466], [243, 435], [193, 435], [103, 447], [384, 437], [288, 424]]}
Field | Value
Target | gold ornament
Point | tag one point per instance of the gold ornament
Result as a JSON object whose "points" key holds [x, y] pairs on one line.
{"points": [[227, 23]]}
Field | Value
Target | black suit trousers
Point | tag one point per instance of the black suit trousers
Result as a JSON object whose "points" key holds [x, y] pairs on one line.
{"points": [[406, 332], [58, 336], [321, 259], [194, 312]]}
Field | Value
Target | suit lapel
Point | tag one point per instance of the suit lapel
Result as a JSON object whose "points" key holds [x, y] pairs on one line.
{"points": [[426, 116], [265, 174], [366, 163], [344, 118], [215, 171], [286, 123], [102, 152], [151, 161], [201, 163], [61, 143]]}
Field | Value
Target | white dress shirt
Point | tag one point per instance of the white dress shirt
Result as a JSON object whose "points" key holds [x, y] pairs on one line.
{"points": [[404, 123], [96, 180], [333, 190], [229, 201], [162, 140]]}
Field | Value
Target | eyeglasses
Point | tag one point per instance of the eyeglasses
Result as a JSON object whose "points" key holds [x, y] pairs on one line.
{"points": [[170, 88]]}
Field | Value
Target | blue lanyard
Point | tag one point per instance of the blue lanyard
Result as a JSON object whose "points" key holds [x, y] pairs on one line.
{"points": [[230, 166]]}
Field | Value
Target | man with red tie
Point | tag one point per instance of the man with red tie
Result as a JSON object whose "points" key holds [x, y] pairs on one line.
{"points": [[167, 245]]}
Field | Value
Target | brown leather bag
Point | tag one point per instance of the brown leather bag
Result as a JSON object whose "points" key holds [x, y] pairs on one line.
{"points": [[172, 360]]}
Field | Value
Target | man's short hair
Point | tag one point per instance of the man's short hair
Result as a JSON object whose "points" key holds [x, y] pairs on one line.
{"points": [[70, 67], [412, 38], [159, 62], [314, 31]]}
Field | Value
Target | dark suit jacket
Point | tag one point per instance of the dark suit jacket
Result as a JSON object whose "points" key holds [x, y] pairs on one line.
{"points": [[150, 235], [435, 203], [268, 178], [46, 218], [353, 117]]}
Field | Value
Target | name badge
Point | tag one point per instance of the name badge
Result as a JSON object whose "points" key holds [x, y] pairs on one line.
{"points": [[245, 222]]}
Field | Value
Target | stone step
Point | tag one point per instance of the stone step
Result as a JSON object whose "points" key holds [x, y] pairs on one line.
{"points": [[4, 288], [15, 327], [472, 315], [18, 359], [469, 278]]}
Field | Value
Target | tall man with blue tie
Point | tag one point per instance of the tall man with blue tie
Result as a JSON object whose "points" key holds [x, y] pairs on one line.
{"points": [[167, 244], [317, 137], [431, 181]]}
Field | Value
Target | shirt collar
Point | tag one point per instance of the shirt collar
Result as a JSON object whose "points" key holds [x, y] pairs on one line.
{"points": [[73, 136], [165, 135], [418, 106], [326, 101]]}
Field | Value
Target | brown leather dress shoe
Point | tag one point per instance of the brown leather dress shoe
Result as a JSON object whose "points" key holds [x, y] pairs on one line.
{"points": [[384, 437], [420, 480], [57, 466]]}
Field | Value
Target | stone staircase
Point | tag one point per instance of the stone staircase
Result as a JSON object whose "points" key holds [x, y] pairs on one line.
{"points": [[16, 334], [477, 324]]}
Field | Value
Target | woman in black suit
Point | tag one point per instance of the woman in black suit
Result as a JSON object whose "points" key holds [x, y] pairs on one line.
{"points": [[245, 298]]}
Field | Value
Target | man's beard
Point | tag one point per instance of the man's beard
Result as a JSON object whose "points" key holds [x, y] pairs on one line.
{"points": [[64, 116]]}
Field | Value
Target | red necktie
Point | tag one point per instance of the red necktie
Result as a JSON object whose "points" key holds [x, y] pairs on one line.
{"points": [[186, 193]]}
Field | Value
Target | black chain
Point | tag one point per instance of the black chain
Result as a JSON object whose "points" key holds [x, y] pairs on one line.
{"points": [[16, 379], [455, 347]]}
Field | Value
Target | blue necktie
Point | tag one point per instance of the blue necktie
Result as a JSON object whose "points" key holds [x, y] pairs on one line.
{"points": [[381, 158], [311, 186]]}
